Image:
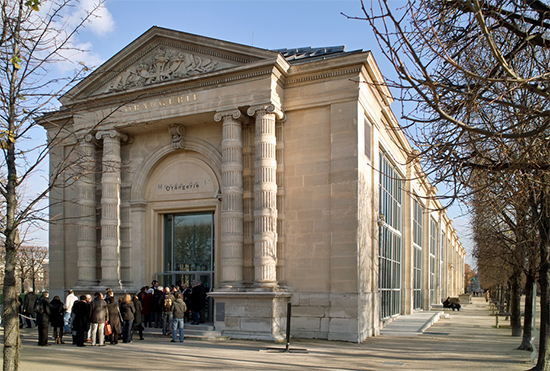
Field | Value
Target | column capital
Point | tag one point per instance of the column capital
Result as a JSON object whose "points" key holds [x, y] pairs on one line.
{"points": [[267, 108], [235, 113], [87, 140], [111, 134]]}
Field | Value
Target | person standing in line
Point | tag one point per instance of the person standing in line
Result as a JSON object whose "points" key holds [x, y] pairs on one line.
{"points": [[57, 319], [69, 301], [137, 320], [115, 320], [146, 306], [81, 313], [156, 306], [42, 310], [186, 293], [98, 316], [127, 310], [198, 301], [89, 331], [166, 301], [179, 308], [28, 307]]}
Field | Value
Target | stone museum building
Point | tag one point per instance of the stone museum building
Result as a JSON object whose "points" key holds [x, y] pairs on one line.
{"points": [[272, 176]]}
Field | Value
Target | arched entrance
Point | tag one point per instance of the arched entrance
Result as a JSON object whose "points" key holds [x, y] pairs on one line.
{"points": [[182, 212]]}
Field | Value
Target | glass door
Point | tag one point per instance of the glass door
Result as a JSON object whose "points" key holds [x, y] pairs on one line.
{"points": [[189, 251]]}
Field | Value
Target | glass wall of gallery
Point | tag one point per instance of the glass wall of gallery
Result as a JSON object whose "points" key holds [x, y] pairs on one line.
{"points": [[427, 238]]}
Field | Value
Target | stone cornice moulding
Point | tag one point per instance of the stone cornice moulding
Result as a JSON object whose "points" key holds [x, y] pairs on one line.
{"points": [[322, 75], [188, 85], [138, 205]]}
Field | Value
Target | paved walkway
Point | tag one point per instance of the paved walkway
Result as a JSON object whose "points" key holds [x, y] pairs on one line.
{"points": [[465, 340]]}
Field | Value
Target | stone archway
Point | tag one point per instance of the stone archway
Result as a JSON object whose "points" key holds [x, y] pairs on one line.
{"points": [[170, 181]]}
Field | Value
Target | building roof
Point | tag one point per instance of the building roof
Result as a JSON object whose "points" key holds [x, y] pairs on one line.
{"points": [[307, 54]]}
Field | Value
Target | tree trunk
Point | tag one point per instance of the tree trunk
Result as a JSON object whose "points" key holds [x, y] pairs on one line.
{"points": [[515, 302], [10, 317], [543, 362], [528, 315]]}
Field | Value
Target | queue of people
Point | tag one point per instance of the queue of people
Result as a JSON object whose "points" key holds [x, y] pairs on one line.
{"points": [[102, 317]]}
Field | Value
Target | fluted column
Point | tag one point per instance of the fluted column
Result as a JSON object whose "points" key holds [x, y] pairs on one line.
{"points": [[87, 211], [232, 200], [265, 196], [110, 208]]}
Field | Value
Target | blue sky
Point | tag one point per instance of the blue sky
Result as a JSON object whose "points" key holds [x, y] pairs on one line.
{"points": [[268, 24], [264, 24]]}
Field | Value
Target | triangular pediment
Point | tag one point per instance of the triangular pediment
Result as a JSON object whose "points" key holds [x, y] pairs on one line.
{"points": [[160, 56]]}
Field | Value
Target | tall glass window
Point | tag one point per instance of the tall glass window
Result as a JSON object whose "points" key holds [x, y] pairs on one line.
{"points": [[418, 236], [442, 270], [188, 242], [433, 251], [390, 193]]}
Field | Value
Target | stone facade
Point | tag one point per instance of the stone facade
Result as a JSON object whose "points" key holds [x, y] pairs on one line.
{"points": [[280, 148]]}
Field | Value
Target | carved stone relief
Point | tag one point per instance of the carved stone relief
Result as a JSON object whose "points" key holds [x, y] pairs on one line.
{"points": [[177, 133], [163, 65]]}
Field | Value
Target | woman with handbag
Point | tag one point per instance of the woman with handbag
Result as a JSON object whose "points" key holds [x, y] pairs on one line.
{"points": [[114, 319]]}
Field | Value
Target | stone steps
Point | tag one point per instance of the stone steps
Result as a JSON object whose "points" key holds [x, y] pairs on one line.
{"points": [[202, 331]]}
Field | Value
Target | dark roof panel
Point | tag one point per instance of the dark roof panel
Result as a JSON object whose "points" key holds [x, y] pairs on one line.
{"points": [[308, 54]]}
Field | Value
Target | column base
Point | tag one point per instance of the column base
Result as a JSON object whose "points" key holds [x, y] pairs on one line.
{"points": [[84, 285], [232, 286], [251, 315]]}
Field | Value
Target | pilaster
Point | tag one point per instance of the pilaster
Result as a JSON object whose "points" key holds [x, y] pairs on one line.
{"points": [[87, 224]]}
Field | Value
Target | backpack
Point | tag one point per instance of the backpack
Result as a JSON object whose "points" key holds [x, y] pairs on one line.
{"points": [[167, 305], [38, 307]]}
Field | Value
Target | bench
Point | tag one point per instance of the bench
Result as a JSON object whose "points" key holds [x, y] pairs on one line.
{"points": [[504, 314]]}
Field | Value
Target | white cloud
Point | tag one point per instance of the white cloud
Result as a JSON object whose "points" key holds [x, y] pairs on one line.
{"points": [[74, 51], [100, 21]]}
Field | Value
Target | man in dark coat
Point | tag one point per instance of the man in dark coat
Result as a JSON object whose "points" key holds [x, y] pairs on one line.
{"points": [[137, 321], [28, 306], [198, 301], [98, 316], [156, 307], [81, 314], [43, 318], [186, 293]]}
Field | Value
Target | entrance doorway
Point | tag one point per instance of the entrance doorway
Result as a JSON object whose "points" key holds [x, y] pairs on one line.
{"points": [[189, 252]]}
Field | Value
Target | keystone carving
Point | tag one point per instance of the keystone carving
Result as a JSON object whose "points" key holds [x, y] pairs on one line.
{"points": [[177, 133]]}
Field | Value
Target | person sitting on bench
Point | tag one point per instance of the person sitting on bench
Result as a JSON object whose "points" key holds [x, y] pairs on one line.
{"points": [[453, 304]]}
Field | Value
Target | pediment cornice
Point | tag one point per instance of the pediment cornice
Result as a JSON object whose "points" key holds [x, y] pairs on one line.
{"points": [[160, 56]]}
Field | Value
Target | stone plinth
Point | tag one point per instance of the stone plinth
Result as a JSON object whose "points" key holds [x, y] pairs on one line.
{"points": [[251, 315]]}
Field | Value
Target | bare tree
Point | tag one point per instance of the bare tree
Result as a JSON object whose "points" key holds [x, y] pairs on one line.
{"points": [[474, 81], [30, 265], [35, 37]]}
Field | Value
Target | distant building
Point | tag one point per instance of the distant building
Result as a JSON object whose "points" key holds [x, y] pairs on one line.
{"points": [[271, 176]]}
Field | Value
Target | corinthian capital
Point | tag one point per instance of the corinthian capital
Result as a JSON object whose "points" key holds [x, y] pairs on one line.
{"points": [[235, 113], [266, 108]]}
